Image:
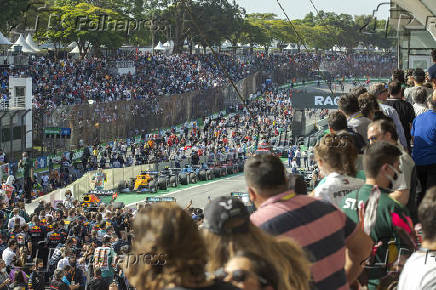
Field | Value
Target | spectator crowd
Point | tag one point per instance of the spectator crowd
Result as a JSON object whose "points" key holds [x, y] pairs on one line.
{"points": [[369, 221]]}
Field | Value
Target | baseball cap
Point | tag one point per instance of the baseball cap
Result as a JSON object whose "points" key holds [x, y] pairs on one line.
{"points": [[226, 215], [377, 89]]}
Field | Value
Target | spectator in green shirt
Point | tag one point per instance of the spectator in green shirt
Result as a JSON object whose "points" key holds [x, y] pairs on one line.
{"points": [[385, 220]]}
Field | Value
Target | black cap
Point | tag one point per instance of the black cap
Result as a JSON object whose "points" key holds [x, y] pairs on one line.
{"points": [[223, 209]]}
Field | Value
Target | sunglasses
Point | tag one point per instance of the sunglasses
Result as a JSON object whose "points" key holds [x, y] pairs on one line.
{"points": [[373, 138], [239, 276]]}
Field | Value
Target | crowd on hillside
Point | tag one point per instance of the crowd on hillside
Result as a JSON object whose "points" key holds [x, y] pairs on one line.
{"points": [[75, 81], [219, 138]]}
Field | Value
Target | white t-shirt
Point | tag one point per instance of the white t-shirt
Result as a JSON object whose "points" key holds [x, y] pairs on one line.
{"points": [[335, 186], [419, 272]]}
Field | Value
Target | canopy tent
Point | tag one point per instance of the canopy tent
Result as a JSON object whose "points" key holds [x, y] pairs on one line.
{"points": [[4, 40], [72, 45], [290, 46], [167, 44], [24, 46], [226, 44], [31, 43], [159, 46], [75, 50]]}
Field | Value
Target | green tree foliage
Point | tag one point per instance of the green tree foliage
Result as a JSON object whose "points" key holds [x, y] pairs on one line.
{"points": [[12, 14], [204, 22]]}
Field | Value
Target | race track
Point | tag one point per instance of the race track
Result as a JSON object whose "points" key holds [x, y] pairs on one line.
{"points": [[199, 193]]}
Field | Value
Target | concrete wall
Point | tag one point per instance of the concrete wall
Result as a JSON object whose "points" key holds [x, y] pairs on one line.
{"points": [[114, 177], [104, 121]]}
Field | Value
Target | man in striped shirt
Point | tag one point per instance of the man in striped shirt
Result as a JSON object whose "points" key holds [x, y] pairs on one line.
{"points": [[333, 242]]}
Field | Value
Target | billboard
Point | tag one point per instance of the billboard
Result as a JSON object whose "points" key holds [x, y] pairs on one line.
{"points": [[314, 98]]}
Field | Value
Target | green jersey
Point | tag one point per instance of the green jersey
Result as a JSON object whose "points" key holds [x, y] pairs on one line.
{"points": [[391, 231]]}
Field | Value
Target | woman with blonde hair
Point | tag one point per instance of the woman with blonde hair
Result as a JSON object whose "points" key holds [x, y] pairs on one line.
{"points": [[229, 231], [169, 252], [336, 156]]}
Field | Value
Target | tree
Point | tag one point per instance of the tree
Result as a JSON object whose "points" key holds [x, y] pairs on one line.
{"points": [[87, 25], [12, 15]]}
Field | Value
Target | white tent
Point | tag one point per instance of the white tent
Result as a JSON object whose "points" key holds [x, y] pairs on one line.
{"points": [[159, 46], [72, 45], [167, 45], [226, 44], [4, 40], [24, 46], [290, 46], [31, 43], [75, 50]]}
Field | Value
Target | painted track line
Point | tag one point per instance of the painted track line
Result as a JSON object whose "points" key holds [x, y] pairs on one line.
{"points": [[180, 190]]}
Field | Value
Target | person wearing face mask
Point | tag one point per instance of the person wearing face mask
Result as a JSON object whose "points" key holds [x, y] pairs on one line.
{"points": [[385, 220], [404, 186]]}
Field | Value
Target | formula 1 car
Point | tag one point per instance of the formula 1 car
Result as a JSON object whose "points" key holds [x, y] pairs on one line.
{"points": [[171, 176], [93, 199], [188, 175], [204, 172], [218, 171], [145, 182]]}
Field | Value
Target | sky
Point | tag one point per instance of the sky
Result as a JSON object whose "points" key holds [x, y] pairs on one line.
{"points": [[297, 9]]}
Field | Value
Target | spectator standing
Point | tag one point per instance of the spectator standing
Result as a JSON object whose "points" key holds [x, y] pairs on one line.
{"points": [[27, 165], [319, 227], [336, 157], [424, 149], [419, 97], [404, 109], [98, 283], [418, 78], [385, 220], [298, 157], [337, 122], [420, 269], [104, 258], [9, 254], [404, 187], [229, 231], [180, 254], [349, 105], [4, 277], [380, 91], [57, 282], [432, 70]]}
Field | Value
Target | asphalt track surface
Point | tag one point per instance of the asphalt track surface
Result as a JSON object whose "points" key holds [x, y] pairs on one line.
{"points": [[199, 193]]}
